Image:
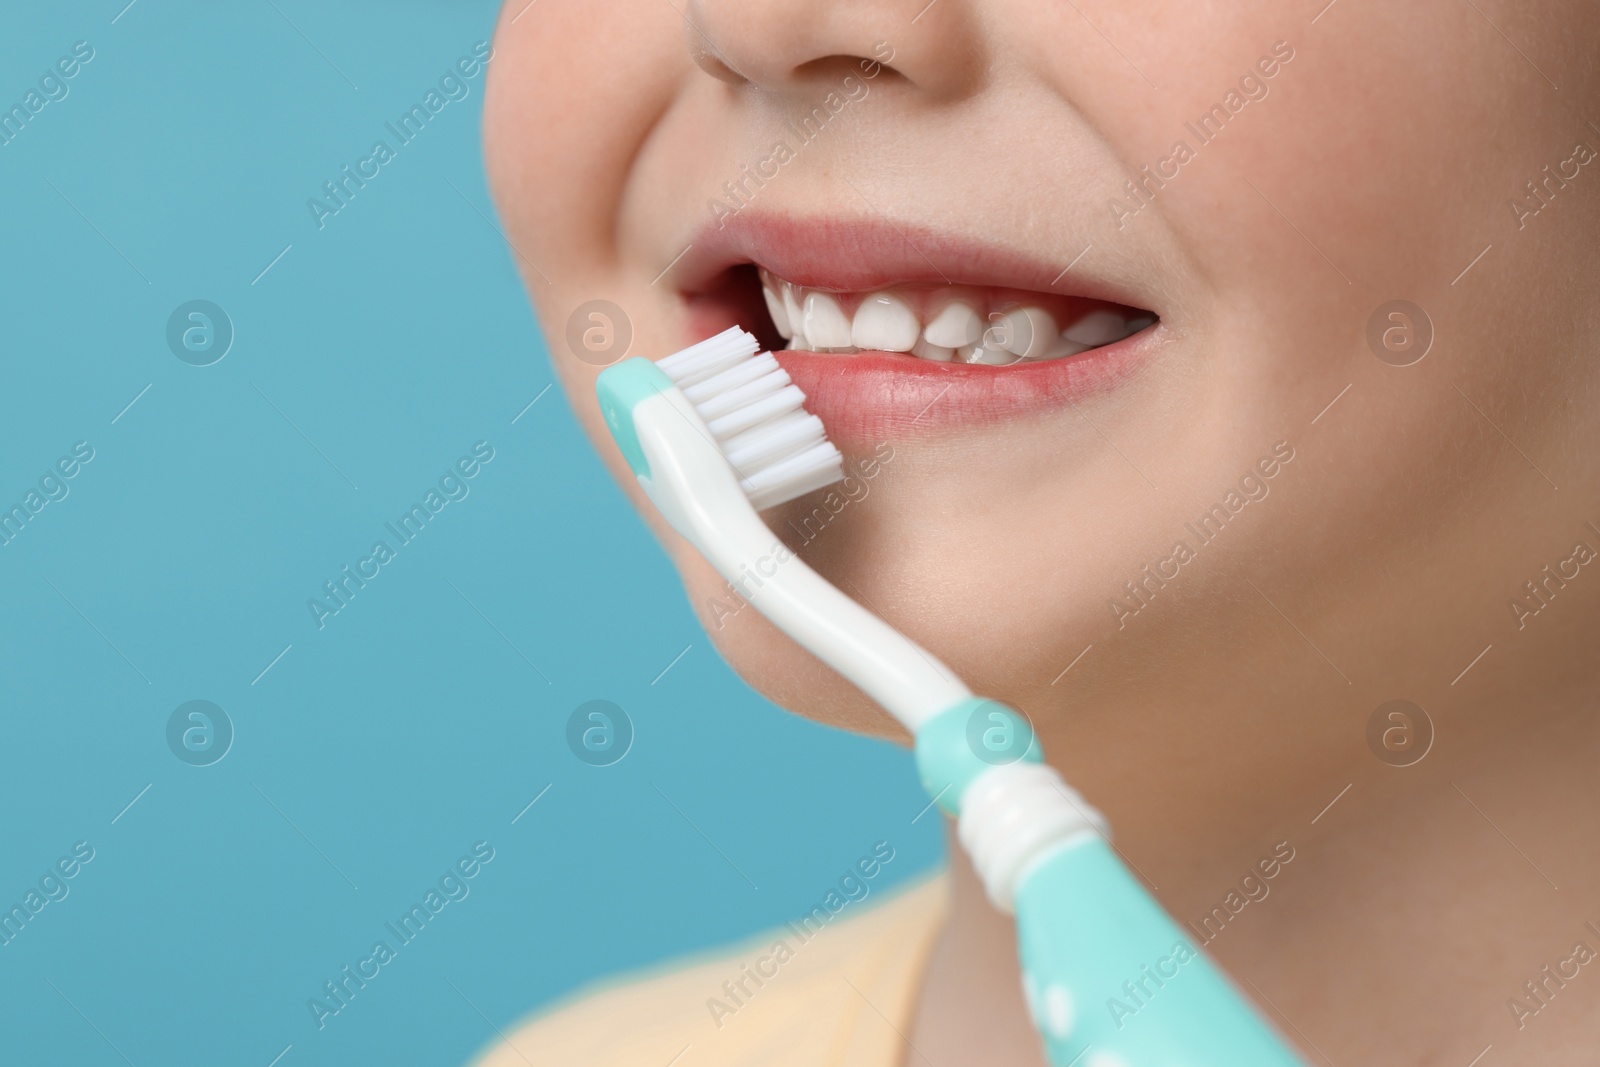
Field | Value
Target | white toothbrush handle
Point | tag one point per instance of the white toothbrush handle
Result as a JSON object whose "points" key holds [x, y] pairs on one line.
{"points": [[696, 491]]}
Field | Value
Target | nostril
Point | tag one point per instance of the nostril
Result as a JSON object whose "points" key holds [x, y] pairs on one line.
{"points": [[707, 57], [836, 68]]}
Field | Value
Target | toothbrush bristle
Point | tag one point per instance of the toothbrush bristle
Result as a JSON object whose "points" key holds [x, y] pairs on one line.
{"points": [[757, 416]]}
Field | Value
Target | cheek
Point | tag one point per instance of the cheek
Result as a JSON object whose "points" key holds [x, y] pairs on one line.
{"points": [[571, 94]]}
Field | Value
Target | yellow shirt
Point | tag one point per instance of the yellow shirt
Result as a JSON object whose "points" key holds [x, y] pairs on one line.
{"points": [[843, 996]]}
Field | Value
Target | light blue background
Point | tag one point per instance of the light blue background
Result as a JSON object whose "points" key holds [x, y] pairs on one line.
{"points": [[181, 562]]}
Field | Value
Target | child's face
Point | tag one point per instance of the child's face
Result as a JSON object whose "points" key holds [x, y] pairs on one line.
{"points": [[1344, 520]]}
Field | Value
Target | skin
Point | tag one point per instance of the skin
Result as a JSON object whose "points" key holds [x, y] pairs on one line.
{"points": [[1224, 716]]}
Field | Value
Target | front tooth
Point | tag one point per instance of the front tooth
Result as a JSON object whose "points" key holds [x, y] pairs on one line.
{"points": [[1097, 328], [791, 308], [780, 317], [988, 357], [884, 323], [1028, 332], [937, 353], [957, 326], [824, 323]]}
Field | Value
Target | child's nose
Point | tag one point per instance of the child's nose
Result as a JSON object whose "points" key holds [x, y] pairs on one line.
{"points": [[799, 46]]}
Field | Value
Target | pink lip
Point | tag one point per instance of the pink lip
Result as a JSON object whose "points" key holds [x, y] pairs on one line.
{"points": [[871, 396], [875, 396]]}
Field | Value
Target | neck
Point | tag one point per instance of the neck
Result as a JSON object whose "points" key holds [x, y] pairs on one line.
{"points": [[971, 1010], [1438, 891]]}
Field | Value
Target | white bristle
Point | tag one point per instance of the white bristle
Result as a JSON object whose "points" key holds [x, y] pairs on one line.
{"points": [[772, 441], [709, 357], [784, 470], [823, 473], [738, 398], [741, 373], [760, 408], [757, 416]]}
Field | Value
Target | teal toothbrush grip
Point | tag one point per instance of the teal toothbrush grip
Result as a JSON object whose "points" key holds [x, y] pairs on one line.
{"points": [[1110, 979]]}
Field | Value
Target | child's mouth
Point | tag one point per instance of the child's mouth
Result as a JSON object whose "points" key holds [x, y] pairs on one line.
{"points": [[884, 340], [991, 326]]}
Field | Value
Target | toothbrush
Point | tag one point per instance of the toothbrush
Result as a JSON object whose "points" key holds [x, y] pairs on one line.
{"points": [[717, 431]]}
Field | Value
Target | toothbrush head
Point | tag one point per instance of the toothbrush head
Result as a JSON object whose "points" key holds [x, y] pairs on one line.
{"points": [[717, 431], [744, 404]]}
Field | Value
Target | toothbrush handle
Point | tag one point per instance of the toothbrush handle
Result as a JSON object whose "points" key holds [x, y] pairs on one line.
{"points": [[1110, 979], [1107, 973]]}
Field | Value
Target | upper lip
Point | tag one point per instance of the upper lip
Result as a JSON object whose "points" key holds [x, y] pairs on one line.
{"points": [[862, 254]]}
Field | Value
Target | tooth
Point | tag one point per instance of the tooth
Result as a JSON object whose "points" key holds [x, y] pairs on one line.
{"points": [[792, 307], [884, 323], [791, 304], [989, 357], [797, 322], [936, 353], [1028, 332], [1061, 349], [1140, 323], [824, 322], [957, 326], [1097, 328], [780, 317]]}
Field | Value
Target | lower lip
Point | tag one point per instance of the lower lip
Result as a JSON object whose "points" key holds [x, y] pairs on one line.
{"points": [[867, 397]]}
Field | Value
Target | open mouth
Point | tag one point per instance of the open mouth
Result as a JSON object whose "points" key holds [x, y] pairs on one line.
{"points": [[888, 332], [993, 327]]}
